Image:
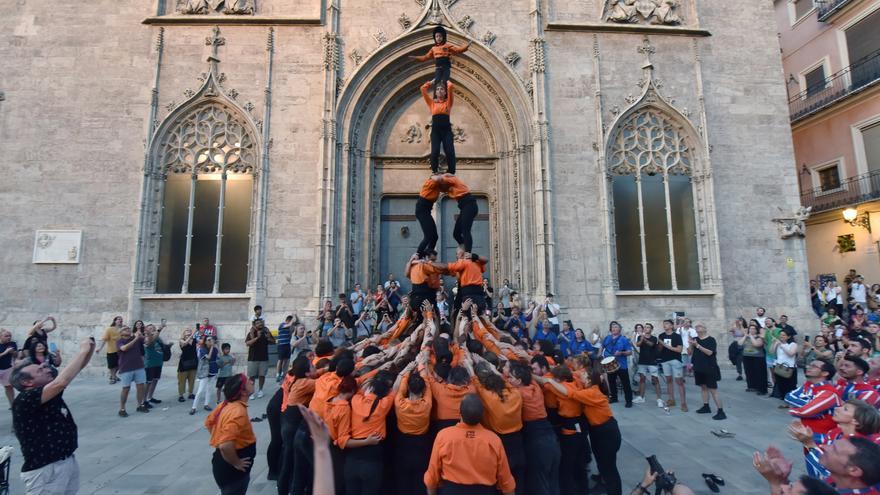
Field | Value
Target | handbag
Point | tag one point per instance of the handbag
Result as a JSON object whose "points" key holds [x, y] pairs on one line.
{"points": [[783, 371], [166, 351]]}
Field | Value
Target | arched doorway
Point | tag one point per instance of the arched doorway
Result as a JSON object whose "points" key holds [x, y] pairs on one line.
{"points": [[378, 155]]}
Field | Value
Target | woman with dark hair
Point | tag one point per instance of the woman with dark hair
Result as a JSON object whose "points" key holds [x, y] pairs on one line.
{"points": [[412, 446], [785, 369], [364, 452], [541, 447], [232, 437], [573, 441], [754, 364], [297, 389], [502, 414], [206, 375]]}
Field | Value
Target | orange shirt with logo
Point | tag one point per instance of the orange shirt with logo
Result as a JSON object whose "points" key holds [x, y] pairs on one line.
{"points": [[469, 455]]}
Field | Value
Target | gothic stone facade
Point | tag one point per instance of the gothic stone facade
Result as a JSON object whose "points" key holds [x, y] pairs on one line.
{"points": [[323, 92]]}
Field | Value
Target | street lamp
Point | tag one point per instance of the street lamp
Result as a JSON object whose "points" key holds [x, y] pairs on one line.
{"points": [[852, 217]]}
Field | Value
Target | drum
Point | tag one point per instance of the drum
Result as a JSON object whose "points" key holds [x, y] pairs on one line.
{"points": [[610, 364]]}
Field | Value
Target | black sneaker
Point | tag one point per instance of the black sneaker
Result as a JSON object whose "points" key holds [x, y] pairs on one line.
{"points": [[192, 396], [739, 378], [719, 415], [181, 399], [147, 405], [155, 401], [704, 410], [208, 408], [628, 405], [123, 414], [143, 409], [192, 411]]}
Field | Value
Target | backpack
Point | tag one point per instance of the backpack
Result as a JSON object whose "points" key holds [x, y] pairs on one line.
{"points": [[166, 351]]}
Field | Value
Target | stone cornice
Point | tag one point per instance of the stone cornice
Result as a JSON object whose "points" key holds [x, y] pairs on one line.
{"points": [[590, 27], [251, 20]]}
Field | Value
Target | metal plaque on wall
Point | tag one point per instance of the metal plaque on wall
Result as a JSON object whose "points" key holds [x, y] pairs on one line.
{"points": [[57, 246]]}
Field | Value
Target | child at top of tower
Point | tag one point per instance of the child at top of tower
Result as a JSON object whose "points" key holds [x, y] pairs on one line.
{"points": [[441, 53]]}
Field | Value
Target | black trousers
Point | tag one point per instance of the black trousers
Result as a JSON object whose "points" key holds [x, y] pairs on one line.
{"points": [[231, 481], [542, 458], [473, 292], [574, 468], [516, 458], [291, 418], [605, 440], [756, 373], [411, 456], [442, 67], [426, 222], [467, 212], [441, 135], [449, 488], [273, 453], [785, 385], [304, 464], [338, 458], [363, 470], [623, 375]]}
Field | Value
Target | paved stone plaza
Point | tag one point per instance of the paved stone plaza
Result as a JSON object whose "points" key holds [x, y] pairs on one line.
{"points": [[166, 451]]}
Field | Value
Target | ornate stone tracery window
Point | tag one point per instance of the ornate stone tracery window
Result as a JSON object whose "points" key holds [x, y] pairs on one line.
{"points": [[655, 228], [207, 159]]}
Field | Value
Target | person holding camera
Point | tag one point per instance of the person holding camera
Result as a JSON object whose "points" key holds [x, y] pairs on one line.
{"points": [[257, 341]]}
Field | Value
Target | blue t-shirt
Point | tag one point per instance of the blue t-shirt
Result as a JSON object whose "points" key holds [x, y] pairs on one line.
{"points": [[613, 344], [541, 334], [283, 335]]}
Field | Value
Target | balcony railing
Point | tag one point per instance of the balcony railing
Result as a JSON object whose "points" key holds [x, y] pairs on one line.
{"points": [[851, 191], [857, 77], [827, 8]]}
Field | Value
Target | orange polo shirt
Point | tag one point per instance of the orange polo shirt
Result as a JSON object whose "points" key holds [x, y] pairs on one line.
{"points": [[413, 416], [425, 273], [361, 426], [501, 416], [399, 327], [595, 404], [568, 406], [442, 51], [469, 455], [447, 398], [457, 355], [454, 187], [468, 272], [338, 419], [532, 402], [430, 190], [296, 391], [326, 387], [231, 424], [551, 401], [438, 107]]}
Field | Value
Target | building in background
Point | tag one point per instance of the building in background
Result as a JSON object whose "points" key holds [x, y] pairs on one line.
{"points": [[831, 57]]}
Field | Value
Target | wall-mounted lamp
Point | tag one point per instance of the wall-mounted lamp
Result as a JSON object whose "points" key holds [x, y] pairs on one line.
{"points": [[852, 217], [791, 79]]}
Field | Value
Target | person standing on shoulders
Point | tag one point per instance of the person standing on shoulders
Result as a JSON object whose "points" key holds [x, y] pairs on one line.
{"points": [[111, 335], [44, 425], [616, 345], [232, 436], [257, 342], [704, 357]]}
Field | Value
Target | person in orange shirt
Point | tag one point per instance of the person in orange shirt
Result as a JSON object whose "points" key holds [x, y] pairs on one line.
{"points": [[424, 206], [503, 415], [440, 104], [364, 453], [412, 446], [297, 389], [425, 278], [469, 270], [449, 385], [456, 189], [574, 471], [441, 53], [541, 446], [467, 458], [232, 437], [604, 431]]}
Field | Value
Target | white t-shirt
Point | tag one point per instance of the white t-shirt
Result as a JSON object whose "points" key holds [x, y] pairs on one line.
{"points": [[858, 292], [761, 320], [553, 308], [785, 354], [686, 333]]}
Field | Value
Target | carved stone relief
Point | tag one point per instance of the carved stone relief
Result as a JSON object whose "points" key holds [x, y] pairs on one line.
{"points": [[404, 21], [488, 38], [663, 12], [206, 7], [412, 134], [512, 58]]}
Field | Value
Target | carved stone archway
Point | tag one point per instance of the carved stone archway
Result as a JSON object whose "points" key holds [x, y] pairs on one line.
{"points": [[349, 239]]}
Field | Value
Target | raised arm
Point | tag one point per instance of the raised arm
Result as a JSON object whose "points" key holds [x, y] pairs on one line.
{"points": [[56, 386], [425, 95]]}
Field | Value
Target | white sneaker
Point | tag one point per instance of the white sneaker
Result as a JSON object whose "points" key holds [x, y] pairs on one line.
{"points": [[639, 400], [660, 403], [253, 396], [260, 394]]}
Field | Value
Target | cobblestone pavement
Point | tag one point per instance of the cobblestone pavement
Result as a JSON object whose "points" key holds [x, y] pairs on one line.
{"points": [[166, 451]]}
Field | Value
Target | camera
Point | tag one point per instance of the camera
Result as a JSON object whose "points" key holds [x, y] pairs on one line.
{"points": [[665, 481]]}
